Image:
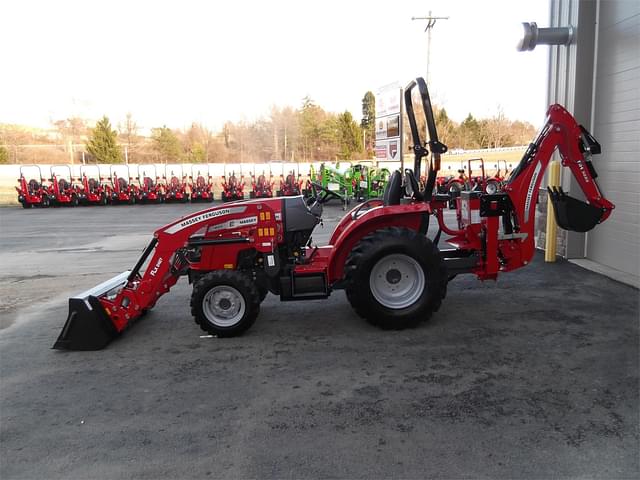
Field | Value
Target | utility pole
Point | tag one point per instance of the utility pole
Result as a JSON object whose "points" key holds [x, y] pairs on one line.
{"points": [[431, 22]]}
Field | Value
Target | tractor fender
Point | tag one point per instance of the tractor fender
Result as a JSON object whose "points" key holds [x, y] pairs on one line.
{"points": [[351, 230]]}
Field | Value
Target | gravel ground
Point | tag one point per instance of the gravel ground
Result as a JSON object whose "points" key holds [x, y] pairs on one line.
{"points": [[533, 376]]}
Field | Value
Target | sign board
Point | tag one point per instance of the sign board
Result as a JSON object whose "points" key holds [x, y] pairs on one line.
{"points": [[389, 123]]}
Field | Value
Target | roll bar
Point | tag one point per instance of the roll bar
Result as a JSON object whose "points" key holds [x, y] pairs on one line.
{"points": [[419, 146]]}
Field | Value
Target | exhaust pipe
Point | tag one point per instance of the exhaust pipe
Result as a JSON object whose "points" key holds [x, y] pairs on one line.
{"points": [[88, 326]]}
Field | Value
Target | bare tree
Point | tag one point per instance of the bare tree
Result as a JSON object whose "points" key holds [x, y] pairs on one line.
{"points": [[129, 135]]}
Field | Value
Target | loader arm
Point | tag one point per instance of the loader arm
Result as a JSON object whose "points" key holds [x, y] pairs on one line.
{"points": [[98, 315]]}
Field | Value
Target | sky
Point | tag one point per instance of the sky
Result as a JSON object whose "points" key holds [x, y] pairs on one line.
{"points": [[177, 62]]}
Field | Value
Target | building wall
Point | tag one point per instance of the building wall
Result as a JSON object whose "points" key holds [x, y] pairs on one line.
{"points": [[597, 78], [616, 125]]}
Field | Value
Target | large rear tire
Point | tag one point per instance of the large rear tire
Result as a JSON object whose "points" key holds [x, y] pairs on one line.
{"points": [[395, 278], [225, 303]]}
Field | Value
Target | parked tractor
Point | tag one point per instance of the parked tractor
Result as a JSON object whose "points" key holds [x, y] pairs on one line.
{"points": [[177, 187], [261, 186], [494, 184], [63, 191], [32, 192], [201, 187], [393, 274], [232, 187], [94, 190], [291, 185], [150, 189], [123, 190]]}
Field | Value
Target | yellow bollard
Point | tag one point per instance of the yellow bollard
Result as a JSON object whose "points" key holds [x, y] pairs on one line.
{"points": [[552, 228]]}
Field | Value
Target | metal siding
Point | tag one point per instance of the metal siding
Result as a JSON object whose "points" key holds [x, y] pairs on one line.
{"points": [[616, 243]]}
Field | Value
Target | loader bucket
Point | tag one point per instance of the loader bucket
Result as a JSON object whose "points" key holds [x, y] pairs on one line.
{"points": [[573, 214], [88, 327]]}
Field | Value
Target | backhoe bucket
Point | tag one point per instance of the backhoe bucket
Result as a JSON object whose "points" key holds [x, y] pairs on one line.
{"points": [[572, 214], [88, 327]]}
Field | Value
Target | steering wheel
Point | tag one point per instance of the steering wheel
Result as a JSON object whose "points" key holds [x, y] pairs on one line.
{"points": [[324, 196]]}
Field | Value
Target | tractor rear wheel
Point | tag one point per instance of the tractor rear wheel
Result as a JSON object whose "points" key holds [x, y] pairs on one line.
{"points": [[395, 278], [225, 303]]}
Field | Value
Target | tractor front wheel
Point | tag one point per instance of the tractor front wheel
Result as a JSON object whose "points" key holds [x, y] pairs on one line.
{"points": [[395, 278], [492, 187], [225, 303]]}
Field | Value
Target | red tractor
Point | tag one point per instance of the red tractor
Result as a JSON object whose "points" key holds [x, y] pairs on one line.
{"points": [[32, 192], [201, 187], [63, 191], [150, 189], [177, 188], [494, 184], [394, 276], [94, 191], [464, 181], [261, 187], [123, 190], [232, 188], [291, 185]]}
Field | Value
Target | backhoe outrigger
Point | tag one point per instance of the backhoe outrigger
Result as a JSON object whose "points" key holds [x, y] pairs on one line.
{"points": [[393, 274]]}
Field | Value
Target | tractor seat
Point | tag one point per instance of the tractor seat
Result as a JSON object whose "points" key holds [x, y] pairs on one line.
{"points": [[413, 183], [393, 190]]}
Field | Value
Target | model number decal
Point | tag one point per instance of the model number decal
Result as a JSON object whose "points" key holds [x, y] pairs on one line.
{"points": [[155, 269], [527, 203], [240, 222], [187, 222]]}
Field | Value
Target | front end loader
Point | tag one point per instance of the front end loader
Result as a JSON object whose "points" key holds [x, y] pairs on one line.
{"points": [[394, 276]]}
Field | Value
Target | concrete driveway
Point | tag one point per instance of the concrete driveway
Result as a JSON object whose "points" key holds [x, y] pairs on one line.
{"points": [[534, 376]]}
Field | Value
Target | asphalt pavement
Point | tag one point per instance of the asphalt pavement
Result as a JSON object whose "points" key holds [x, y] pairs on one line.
{"points": [[532, 376]]}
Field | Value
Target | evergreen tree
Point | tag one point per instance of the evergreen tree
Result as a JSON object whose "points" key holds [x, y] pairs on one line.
{"points": [[103, 144], [368, 123], [350, 136], [470, 133], [166, 144]]}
